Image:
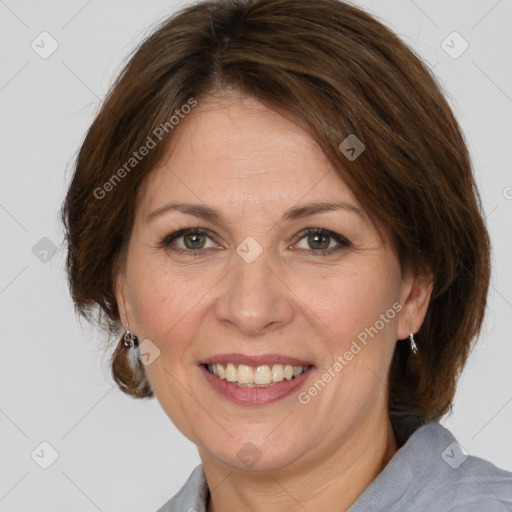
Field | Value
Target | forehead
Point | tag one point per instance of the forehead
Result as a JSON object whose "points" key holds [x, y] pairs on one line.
{"points": [[232, 151]]}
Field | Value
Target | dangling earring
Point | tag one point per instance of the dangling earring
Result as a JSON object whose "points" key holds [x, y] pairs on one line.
{"points": [[130, 340], [414, 347]]}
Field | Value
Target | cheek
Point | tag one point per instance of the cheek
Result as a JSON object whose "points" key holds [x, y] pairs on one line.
{"points": [[167, 305], [352, 302], [158, 299], [357, 314]]}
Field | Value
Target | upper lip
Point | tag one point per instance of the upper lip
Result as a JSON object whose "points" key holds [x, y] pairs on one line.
{"points": [[259, 360]]}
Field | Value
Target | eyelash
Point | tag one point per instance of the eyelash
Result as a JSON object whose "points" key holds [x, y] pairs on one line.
{"points": [[166, 242]]}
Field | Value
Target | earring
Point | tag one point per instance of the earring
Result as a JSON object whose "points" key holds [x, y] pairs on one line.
{"points": [[414, 347], [130, 340]]}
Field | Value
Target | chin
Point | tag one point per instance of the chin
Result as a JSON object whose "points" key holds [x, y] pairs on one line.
{"points": [[250, 455]]}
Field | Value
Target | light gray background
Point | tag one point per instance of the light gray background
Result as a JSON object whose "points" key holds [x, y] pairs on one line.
{"points": [[116, 453]]}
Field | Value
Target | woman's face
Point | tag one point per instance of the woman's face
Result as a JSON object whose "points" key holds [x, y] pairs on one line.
{"points": [[252, 283]]}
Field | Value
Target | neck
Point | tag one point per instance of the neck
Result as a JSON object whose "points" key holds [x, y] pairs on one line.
{"points": [[336, 479]]}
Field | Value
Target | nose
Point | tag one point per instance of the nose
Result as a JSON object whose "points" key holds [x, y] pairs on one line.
{"points": [[254, 298]]}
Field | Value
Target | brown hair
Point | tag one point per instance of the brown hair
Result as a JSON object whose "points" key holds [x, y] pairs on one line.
{"points": [[339, 71]]}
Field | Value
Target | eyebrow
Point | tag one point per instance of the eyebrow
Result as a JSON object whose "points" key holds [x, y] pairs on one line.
{"points": [[213, 215]]}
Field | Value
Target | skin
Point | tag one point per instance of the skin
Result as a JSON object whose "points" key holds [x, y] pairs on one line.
{"points": [[234, 154]]}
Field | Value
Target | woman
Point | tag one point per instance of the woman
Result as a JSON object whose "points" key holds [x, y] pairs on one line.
{"points": [[277, 205]]}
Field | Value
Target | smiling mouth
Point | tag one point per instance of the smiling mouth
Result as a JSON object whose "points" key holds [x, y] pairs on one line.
{"points": [[259, 376]]}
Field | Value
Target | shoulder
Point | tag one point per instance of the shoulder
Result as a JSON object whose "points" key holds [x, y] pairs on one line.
{"points": [[455, 480], [477, 484], [432, 471], [192, 497]]}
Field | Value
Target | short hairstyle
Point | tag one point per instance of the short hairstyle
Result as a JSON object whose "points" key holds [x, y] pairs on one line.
{"points": [[338, 71]]}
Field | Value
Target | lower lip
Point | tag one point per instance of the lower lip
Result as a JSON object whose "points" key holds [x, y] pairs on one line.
{"points": [[257, 395]]}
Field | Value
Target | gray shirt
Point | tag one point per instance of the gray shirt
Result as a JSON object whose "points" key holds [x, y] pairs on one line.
{"points": [[430, 472]]}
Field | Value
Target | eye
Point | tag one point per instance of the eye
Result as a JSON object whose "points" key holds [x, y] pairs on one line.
{"points": [[194, 241], [322, 242], [191, 241]]}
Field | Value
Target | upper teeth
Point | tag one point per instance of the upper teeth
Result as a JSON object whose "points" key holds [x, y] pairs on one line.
{"points": [[262, 375]]}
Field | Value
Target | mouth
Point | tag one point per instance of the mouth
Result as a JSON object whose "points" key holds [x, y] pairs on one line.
{"points": [[243, 375], [260, 380]]}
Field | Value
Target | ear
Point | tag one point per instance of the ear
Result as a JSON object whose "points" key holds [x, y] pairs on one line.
{"points": [[121, 293], [415, 298]]}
